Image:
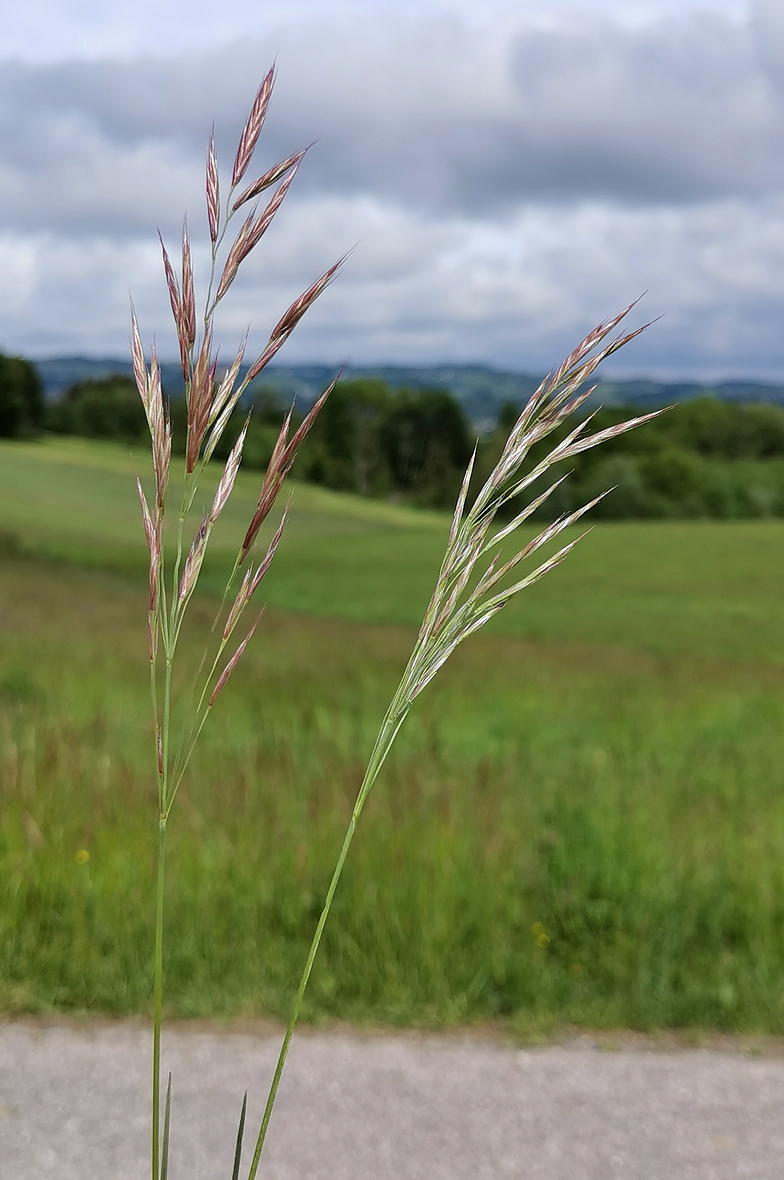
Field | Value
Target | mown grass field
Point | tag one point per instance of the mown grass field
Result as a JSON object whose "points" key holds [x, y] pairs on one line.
{"points": [[583, 820]]}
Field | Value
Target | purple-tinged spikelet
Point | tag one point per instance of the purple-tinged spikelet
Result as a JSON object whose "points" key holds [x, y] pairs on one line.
{"points": [[200, 401], [239, 604], [252, 580], [269, 178], [137, 357], [252, 128], [266, 561], [188, 298], [235, 256], [288, 322], [160, 431], [223, 395], [283, 455], [171, 283], [213, 189], [263, 221], [232, 664], [176, 301], [152, 533]]}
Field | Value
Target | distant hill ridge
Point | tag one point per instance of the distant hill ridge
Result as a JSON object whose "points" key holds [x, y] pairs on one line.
{"points": [[480, 390]]}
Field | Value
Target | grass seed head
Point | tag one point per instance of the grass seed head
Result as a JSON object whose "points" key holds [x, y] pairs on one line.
{"points": [[213, 190], [226, 483], [200, 400], [288, 322], [456, 610], [232, 664], [194, 560], [268, 179], [252, 128], [188, 297], [208, 409]]}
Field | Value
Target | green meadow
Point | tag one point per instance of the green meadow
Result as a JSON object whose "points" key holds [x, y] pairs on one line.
{"points": [[583, 821]]}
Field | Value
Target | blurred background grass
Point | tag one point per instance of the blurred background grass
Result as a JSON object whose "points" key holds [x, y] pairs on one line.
{"points": [[582, 821]]}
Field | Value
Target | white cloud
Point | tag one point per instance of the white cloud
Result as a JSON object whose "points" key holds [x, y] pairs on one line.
{"points": [[422, 288]]}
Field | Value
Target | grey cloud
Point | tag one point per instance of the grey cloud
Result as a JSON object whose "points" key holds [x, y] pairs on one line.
{"points": [[682, 110], [767, 32], [437, 289], [506, 189]]}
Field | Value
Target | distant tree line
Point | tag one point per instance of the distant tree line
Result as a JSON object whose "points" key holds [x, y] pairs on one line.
{"points": [[704, 458], [368, 438]]}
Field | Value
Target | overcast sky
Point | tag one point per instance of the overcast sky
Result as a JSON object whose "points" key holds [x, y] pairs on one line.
{"points": [[509, 172]]}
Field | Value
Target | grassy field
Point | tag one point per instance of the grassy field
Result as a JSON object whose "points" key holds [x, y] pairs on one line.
{"points": [[583, 820]]}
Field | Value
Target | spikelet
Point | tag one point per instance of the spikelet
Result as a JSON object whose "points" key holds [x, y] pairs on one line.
{"points": [[229, 475], [213, 190], [232, 664], [252, 128], [269, 178], [288, 322], [283, 455]]}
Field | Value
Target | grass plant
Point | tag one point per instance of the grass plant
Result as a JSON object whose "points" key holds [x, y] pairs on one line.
{"points": [[476, 579], [210, 404], [622, 794], [580, 821]]}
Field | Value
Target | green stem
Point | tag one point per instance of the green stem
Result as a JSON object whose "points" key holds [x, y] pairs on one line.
{"points": [[164, 781], [158, 986], [209, 307], [179, 770], [184, 507], [158, 1003], [188, 744], [387, 734]]}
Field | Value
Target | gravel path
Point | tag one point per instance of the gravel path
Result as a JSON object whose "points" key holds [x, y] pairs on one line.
{"points": [[73, 1104]]}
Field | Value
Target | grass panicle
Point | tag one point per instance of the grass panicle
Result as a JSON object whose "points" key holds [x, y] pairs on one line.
{"points": [[210, 403], [474, 582]]}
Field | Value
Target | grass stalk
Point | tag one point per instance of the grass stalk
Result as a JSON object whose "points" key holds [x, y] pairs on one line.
{"points": [[474, 582], [384, 742], [209, 407], [456, 611], [158, 999]]}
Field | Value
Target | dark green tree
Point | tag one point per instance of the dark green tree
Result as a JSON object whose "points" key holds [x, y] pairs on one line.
{"points": [[106, 408], [426, 441], [343, 450], [21, 398]]}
